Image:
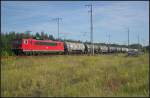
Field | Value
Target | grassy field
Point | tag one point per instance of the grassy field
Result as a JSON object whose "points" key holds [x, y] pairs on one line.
{"points": [[103, 75]]}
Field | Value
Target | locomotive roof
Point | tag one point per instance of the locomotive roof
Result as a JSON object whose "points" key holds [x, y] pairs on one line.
{"points": [[39, 40]]}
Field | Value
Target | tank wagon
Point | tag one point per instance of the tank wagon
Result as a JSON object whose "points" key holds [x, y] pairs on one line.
{"points": [[103, 49], [112, 49], [124, 50], [96, 49], [118, 49], [88, 48], [73, 47]]}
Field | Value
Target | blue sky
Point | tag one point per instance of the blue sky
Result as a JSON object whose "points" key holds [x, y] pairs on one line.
{"points": [[109, 17]]}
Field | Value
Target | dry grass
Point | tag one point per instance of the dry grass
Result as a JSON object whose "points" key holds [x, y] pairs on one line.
{"points": [[103, 75]]}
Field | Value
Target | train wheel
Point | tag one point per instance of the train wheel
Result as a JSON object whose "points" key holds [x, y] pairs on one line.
{"points": [[27, 53], [30, 53]]}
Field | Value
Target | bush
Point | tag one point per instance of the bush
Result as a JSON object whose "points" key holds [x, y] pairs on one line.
{"points": [[7, 53], [4, 53]]}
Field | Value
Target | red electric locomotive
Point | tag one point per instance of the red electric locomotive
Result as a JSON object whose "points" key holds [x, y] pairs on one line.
{"points": [[30, 46]]}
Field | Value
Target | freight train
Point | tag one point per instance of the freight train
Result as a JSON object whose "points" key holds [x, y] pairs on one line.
{"points": [[32, 46]]}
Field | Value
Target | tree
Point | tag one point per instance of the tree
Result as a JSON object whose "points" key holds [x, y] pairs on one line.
{"points": [[27, 34], [45, 36], [37, 35], [136, 46], [146, 48], [51, 37], [42, 35]]}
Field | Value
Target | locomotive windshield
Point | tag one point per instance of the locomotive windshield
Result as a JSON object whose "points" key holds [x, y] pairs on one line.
{"points": [[16, 43]]}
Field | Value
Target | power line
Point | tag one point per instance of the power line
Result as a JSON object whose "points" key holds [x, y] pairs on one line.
{"points": [[138, 38], [91, 22], [143, 41], [109, 38], [58, 24], [138, 42], [128, 38]]}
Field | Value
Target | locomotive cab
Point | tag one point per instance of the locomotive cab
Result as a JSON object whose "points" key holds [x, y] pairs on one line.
{"points": [[18, 45]]}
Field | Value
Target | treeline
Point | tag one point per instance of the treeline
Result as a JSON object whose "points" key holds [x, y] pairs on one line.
{"points": [[7, 38]]}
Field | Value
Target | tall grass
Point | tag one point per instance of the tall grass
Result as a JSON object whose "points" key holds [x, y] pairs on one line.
{"points": [[103, 75]]}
